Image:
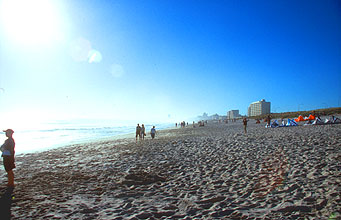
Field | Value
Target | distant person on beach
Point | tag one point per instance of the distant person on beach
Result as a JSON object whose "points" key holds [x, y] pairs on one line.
{"points": [[8, 156], [138, 131], [245, 124], [143, 131], [153, 132], [268, 120]]}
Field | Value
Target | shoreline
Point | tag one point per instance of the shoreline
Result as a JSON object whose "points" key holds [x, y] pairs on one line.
{"points": [[209, 172], [88, 141]]}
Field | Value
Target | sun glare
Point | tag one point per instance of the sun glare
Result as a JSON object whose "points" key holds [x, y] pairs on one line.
{"points": [[30, 22]]}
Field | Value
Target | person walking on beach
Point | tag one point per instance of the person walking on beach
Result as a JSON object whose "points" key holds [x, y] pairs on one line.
{"points": [[268, 120], [143, 131], [138, 132], [8, 156], [153, 132], [245, 124]]}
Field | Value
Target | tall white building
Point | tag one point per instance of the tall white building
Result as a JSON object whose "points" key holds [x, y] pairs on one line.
{"points": [[259, 108], [233, 114]]}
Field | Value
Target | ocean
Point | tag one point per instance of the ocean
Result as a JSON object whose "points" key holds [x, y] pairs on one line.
{"points": [[53, 134]]}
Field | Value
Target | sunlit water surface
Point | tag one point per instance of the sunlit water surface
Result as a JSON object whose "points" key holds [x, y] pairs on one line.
{"points": [[50, 135]]}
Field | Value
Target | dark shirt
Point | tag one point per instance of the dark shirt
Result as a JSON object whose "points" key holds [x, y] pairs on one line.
{"points": [[9, 145], [138, 129]]}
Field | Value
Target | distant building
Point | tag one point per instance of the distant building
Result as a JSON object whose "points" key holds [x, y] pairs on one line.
{"points": [[204, 116], [233, 114], [222, 117], [259, 108], [215, 117]]}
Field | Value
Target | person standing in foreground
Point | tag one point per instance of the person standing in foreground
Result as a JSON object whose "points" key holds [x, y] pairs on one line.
{"points": [[245, 124], [8, 156], [153, 132], [143, 131], [138, 132]]}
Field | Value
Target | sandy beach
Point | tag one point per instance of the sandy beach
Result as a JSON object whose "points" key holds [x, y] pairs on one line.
{"points": [[211, 172]]}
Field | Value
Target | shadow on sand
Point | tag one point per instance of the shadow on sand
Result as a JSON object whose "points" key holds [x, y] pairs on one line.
{"points": [[6, 202]]}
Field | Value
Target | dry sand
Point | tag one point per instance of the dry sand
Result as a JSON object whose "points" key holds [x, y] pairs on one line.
{"points": [[211, 172]]}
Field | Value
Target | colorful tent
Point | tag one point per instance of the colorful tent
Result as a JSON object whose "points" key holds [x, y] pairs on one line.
{"points": [[318, 122], [311, 117], [274, 124], [332, 120], [283, 123], [300, 118], [291, 122]]}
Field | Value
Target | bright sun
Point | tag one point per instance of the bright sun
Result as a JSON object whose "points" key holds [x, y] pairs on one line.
{"points": [[30, 21]]}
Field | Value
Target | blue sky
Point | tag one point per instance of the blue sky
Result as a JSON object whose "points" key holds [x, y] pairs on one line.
{"points": [[166, 60]]}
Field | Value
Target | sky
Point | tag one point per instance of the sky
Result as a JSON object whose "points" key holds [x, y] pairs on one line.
{"points": [[166, 60]]}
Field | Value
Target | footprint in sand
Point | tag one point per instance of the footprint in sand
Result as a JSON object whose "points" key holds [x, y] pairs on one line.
{"points": [[271, 174]]}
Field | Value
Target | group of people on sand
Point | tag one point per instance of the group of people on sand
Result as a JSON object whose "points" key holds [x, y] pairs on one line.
{"points": [[182, 124], [141, 132]]}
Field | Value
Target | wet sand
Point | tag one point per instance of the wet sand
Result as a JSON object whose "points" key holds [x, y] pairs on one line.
{"points": [[211, 172]]}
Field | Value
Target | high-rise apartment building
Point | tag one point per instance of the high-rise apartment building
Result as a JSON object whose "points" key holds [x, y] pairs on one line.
{"points": [[259, 108], [233, 114]]}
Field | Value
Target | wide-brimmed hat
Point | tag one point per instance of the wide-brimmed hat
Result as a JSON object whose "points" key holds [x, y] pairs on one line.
{"points": [[8, 130]]}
